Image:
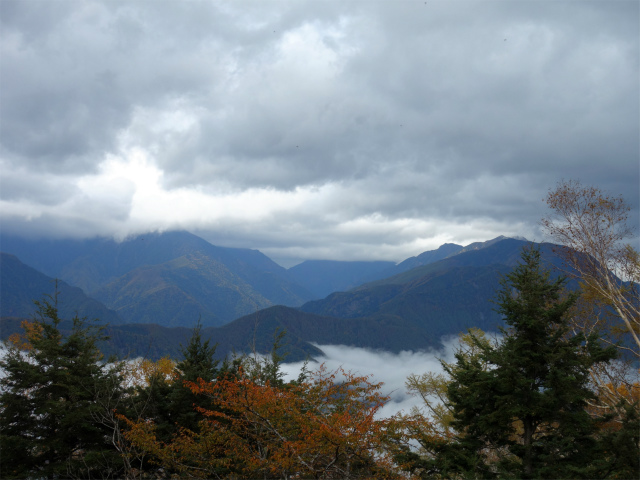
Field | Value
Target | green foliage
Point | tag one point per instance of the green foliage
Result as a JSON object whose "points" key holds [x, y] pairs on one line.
{"points": [[198, 363], [432, 388], [620, 455], [263, 370], [519, 407], [514, 408], [166, 400], [51, 403]]}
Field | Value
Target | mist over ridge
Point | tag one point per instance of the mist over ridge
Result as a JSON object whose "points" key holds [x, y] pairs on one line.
{"points": [[158, 305]]}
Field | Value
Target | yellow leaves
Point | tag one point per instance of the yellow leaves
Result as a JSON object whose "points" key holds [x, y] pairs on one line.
{"points": [[179, 453], [472, 341], [139, 372], [631, 392], [18, 341], [24, 341], [142, 432], [593, 226], [432, 389], [612, 399]]}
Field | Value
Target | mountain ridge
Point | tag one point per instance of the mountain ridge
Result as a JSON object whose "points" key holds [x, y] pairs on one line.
{"points": [[103, 268], [22, 285], [409, 310]]}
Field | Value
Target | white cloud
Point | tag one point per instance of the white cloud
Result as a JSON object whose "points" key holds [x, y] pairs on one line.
{"points": [[390, 368], [344, 130]]}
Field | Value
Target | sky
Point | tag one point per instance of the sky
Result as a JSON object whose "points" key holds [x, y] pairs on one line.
{"points": [[344, 130]]}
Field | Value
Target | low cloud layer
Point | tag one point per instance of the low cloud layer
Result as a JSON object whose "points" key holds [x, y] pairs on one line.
{"points": [[342, 130], [379, 366], [389, 368]]}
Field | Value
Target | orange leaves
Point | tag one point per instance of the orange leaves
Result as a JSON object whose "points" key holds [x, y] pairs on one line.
{"points": [[313, 426], [209, 447], [24, 341], [325, 427]]}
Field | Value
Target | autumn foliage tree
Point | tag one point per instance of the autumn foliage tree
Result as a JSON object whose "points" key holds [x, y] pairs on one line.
{"points": [[431, 387], [323, 427], [430, 423], [593, 232], [592, 228]]}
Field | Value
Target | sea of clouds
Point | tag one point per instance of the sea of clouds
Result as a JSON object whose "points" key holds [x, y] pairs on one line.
{"points": [[392, 369]]}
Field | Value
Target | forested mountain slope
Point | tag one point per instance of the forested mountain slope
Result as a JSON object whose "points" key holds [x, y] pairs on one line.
{"points": [[169, 278], [441, 298], [411, 310], [178, 292], [322, 277], [20, 285]]}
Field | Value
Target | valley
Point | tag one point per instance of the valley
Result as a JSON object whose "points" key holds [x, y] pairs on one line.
{"points": [[151, 291]]}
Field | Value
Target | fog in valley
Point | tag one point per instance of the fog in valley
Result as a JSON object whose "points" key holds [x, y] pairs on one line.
{"points": [[389, 368]]}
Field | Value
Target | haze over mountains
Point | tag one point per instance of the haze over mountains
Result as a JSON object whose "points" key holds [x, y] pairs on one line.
{"points": [[153, 289], [168, 278]]}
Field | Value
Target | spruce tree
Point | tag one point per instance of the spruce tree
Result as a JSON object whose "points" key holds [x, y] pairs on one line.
{"points": [[524, 416], [198, 362], [171, 404], [48, 407]]}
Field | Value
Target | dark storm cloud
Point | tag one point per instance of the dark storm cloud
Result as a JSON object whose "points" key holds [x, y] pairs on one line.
{"points": [[74, 72], [486, 92], [354, 118]]}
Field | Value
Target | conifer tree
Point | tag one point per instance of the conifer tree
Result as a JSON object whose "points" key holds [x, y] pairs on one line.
{"points": [[198, 362], [48, 403], [525, 415], [167, 401]]}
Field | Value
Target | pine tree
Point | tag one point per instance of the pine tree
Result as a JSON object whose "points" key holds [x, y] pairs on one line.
{"points": [[48, 405], [525, 415]]}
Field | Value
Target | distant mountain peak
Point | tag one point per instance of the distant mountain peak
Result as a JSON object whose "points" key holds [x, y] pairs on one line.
{"points": [[488, 243]]}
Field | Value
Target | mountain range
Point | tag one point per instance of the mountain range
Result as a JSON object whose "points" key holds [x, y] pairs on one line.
{"points": [[170, 279], [152, 290]]}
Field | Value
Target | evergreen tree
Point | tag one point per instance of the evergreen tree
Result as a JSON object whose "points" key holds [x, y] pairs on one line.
{"points": [[169, 403], [263, 370], [198, 362], [48, 406], [524, 416]]}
